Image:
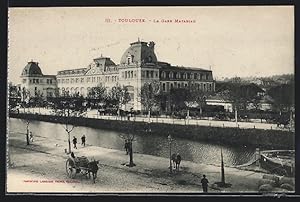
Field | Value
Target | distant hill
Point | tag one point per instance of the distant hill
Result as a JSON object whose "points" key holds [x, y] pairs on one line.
{"points": [[263, 82]]}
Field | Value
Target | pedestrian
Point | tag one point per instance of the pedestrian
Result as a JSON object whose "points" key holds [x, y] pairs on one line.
{"points": [[204, 183], [74, 142], [126, 146], [31, 137], [83, 140]]}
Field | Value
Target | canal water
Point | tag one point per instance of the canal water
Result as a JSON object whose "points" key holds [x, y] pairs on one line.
{"points": [[199, 152]]}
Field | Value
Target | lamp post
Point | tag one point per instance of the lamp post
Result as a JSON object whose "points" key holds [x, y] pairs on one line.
{"points": [[170, 142]]}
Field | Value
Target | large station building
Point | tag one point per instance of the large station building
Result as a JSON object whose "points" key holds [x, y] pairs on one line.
{"points": [[138, 65]]}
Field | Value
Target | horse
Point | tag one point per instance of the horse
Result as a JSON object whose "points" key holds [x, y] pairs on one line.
{"points": [[173, 157], [176, 160], [93, 168]]}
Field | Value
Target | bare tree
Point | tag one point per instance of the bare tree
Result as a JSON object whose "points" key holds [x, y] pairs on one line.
{"points": [[129, 138], [68, 113]]}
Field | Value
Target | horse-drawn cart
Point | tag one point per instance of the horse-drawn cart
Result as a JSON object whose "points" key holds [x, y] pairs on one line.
{"points": [[81, 165]]}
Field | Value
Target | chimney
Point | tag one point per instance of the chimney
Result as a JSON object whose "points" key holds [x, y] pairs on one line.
{"points": [[151, 45]]}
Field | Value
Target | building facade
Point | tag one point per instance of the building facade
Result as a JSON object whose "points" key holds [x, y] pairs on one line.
{"points": [[36, 83], [138, 65]]}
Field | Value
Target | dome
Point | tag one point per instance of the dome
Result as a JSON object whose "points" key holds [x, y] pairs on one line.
{"points": [[139, 52], [32, 69]]}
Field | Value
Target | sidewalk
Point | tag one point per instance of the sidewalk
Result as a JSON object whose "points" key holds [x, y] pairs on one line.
{"points": [[45, 159], [208, 121]]}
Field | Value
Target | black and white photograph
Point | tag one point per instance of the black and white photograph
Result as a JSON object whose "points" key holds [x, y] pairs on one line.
{"points": [[176, 99]]}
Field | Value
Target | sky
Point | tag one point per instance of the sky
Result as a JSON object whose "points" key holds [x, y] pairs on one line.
{"points": [[231, 41]]}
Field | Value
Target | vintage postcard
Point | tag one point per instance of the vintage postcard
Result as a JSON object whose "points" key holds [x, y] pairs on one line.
{"points": [[151, 100]]}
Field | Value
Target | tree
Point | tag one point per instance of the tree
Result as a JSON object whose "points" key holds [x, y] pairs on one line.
{"points": [[67, 113], [198, 96], [118, 96], [150, 96], [129, 138], [38, 99], [98, 93], [25, 96], [283, 95], [14, 96]]}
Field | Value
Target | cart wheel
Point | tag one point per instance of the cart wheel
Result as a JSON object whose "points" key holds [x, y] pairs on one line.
{"points": [[70, 168]]}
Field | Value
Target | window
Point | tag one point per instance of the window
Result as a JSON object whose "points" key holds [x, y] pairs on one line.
{"points": [[88, 79], [178, 75], [151, 74], [171, 74], [204, 87], [63, 81], [125, 74], [164, 87], [132, 58], [131, 74], [207, 76], [201, 75], [128, 60], [82, 80], [143, 74], [192, 76], [147, 74], [195, 76], [156, 74], [178, 85], [77, 80], [72, 80], [168, 86], [171, 85], [210, 87], [163, 74], [185, 85], [122, 74], [185, 76]]}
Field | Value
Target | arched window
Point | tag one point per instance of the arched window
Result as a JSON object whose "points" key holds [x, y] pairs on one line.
{"points": [[185, 75], [131, 74], [171, 75], [163, 74]]}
